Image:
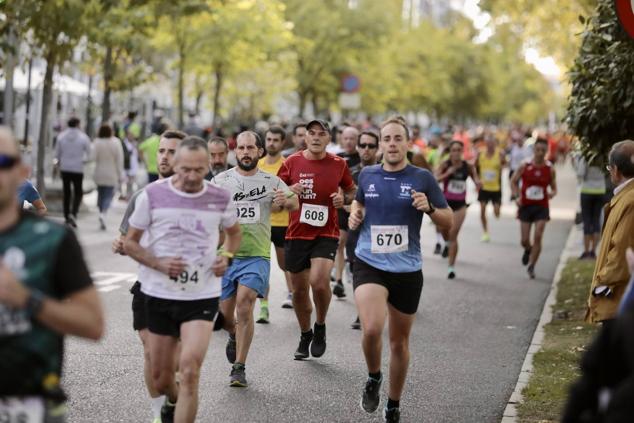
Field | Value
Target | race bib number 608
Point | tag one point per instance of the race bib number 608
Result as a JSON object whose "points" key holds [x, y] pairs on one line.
{"points": [[314, 215]]}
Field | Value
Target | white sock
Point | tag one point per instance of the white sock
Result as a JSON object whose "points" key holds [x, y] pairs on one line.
{"points": [[157, 403], [439, 238]]}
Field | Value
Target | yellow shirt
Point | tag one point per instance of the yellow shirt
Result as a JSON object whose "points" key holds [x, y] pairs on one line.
{"points": [[280, 218], [490, 171]]}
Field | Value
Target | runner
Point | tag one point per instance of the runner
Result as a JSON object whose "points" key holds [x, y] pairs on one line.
{"points": [[299, 140], [518, 154], [218, 156], [271, 163], [489, 164], [168, 143], [387, 273], [45, 293], [453, 174], [349, 138], [311, 239], [180, 269], [367, 148], [255, 194], [536, 176]]}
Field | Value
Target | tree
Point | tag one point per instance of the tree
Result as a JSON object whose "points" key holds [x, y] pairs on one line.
{"points": [[601, 105]]}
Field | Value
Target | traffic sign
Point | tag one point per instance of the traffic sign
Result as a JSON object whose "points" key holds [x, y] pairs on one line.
{"points": [[350, 84], [625, 12]]}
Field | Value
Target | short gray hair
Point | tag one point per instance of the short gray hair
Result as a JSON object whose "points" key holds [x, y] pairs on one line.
{"points": [[622, 157], [192, 143]]}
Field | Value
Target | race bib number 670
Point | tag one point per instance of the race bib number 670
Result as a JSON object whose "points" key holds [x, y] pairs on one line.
{"points": [[389, 238]]}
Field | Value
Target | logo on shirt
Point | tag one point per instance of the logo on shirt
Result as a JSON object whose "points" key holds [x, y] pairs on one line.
{"points": [[255, 192], [370, 192], [406, 189], [371, 188]]}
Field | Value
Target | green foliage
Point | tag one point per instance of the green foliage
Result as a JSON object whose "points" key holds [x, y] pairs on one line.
{"points": [[601, 105]]}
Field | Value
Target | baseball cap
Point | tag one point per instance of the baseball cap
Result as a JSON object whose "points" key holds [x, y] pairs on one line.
{"points": [[319, 122]]}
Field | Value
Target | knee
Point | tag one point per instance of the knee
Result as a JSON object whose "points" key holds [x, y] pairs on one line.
{"points": [[189, 369], [161, 380], [538, 239], [399, 346], [244, 309], [321, 289], [372, 332]]}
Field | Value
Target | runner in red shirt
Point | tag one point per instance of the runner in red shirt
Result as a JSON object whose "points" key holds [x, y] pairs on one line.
{"points": [[323, 183], [536, 177]]}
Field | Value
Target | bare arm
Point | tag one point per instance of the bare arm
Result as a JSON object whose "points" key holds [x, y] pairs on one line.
{"points": [[474, 175], [171, 266], [442, 218], [40, 207], [357, 213], [232, 239], [553, 183], [515, 181], [348, 196]]}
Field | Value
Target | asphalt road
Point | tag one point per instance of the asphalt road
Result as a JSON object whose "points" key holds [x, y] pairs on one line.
{"points": [[467, 345]]}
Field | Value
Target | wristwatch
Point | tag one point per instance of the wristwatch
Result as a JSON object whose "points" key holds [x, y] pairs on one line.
{"points": [[34, 303], [431, 210], [227, 254]]}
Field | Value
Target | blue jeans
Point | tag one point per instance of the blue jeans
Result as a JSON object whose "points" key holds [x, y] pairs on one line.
{"points": [[104, 197]]}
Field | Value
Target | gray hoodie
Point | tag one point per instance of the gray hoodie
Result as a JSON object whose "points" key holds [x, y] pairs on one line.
{"points": [[72, 150]]}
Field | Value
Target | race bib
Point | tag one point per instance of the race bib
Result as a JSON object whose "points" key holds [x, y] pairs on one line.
{"points": [[490, 175], [314, 215], [389, 238], [194, 278], [22, 410], [535, 193], [13, 322], [248, 211], [456, 186]]}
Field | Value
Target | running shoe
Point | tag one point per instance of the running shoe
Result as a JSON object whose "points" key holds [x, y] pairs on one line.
{"points": [[438, 249], [71, 221], [445, 252], [304, 343], [531, 271], [318, 346], [356, 324], [393, 415], [230, 349], [371, 395], [526, 256], [167, 412], [592, 255], [451, 274], [288, 302], [486, 237], [583, 255], [238, 378], [338, 290], [264, 315], [102, 223]]}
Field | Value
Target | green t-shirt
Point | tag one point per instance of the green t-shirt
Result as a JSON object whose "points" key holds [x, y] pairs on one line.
{"points": [[45, 256], [150, 147], [253, 197]]}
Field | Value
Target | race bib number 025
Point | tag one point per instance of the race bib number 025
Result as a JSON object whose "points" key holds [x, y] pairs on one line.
{"points": [[389, 239], [21, 410], [248, 212], [314, 215]]}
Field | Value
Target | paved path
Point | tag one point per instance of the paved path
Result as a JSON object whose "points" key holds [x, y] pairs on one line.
{"points": [[467, 345]]}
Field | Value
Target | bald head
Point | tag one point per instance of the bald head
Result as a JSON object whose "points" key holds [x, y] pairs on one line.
{"points": [[622, 158], [12, 172], [349, 138], [8, 144]]}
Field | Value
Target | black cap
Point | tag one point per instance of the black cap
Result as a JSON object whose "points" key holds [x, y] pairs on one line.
{"points": [[319, 122]]}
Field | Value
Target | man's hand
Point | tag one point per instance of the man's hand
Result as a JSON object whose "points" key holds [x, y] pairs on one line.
{"points": [[297, 189], [171, 266], [420, 202], [12, 292], [279, 198], [629, 255], [117, 245], [337, 199], [355, 220], [220, 265]]}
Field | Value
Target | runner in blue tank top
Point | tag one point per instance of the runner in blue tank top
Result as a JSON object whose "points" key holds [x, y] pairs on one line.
{"points": [[389, 207]]}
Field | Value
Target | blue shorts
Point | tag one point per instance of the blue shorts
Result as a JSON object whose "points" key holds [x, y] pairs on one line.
{"points": [[252, 272]]}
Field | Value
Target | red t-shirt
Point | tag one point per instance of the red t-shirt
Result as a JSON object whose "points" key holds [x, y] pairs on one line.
{"points": [[535, 181], [316, 217]]}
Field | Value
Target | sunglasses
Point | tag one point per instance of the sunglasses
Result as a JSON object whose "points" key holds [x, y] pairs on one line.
{"points": [[7, 162], [363, 145]]}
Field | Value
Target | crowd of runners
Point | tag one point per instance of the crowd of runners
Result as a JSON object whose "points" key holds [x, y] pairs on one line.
{"points": [[202, 236]]}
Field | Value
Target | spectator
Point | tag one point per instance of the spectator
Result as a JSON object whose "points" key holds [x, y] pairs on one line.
{"points": [[109, 173], [130, 162], [611, 274], [592, 186], [71, 151]]}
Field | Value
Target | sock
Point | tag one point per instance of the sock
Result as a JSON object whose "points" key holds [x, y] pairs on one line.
{"points": [[157, 403], [447, 244], [392, 404], [450, 269], [375, 376], [439, 238], [321, 325], [264, 303]]}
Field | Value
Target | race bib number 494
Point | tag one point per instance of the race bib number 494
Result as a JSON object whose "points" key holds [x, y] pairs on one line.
{"points": [[21, 410], [248, 211], [314, 215], [389, 239]]}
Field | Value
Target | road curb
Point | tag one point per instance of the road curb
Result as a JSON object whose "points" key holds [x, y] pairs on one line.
{"points": [[570, 250]]}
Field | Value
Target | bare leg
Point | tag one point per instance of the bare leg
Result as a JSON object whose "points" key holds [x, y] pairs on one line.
{"points": [[371, 302], [458, 219], [228, 310], [340, 260], [483, 216], [162, 352], [540, 225], [281, 261], [320, 283], [147, 369], [244, 328], [400, 326], [301, 299], [525, 229]]}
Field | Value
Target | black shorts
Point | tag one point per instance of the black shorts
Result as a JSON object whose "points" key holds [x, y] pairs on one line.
{"points": [[533, 213], [139, 316], [342, 217], [457, 205], [298, 252], [494, 197], [165, 317], [278, 235], [404, 289]]}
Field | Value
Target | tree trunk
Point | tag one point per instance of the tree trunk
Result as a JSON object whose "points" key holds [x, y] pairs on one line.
{"points": [[315, 102], [181, 86], [302, 103], [217, 90], [199, 97], [47, 97], [9, 67], [107, 77], [89, 126]]}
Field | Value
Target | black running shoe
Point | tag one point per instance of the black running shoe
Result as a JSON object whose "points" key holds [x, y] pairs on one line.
{"points": [[356, 324], [167, 412], [238, 378], [438, 248], [445, 252], [526, 256], [393, 415], [338, 290], [304, 343], [230, 349], [531, 271], [318, 346], [371, 395]]}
